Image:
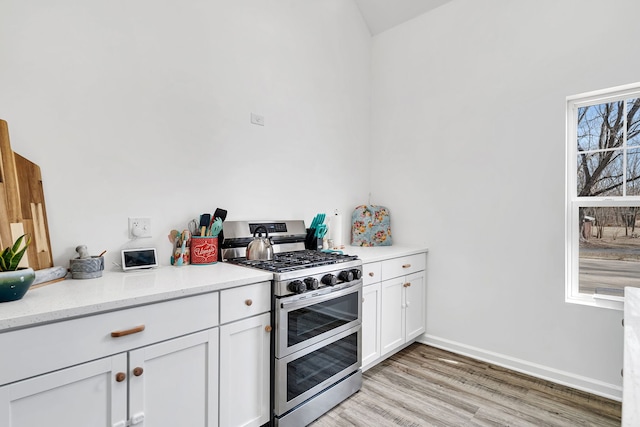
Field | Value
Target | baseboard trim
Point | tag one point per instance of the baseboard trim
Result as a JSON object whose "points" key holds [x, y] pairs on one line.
{"points": [[589, 385]]}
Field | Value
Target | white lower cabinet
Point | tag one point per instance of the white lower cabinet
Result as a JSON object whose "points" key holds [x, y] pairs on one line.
{"points": [[371, 297], [244, 372], [392, 315], [393, 307], [175, 383], [402, 313], [80, 396], [163, 385], [166, 364]]}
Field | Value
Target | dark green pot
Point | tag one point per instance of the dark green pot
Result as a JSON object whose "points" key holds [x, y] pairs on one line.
{"points": [[14, 284]]}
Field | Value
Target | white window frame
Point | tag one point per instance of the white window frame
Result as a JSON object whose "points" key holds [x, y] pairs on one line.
{"points": [[573, 202]]}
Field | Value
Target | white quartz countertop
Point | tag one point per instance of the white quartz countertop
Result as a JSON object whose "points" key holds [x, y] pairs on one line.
{"points": [[116, 290], [379, 253], [631, 378]]}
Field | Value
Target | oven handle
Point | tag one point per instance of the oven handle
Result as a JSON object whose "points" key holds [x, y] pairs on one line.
{"points": [[304, 302]]}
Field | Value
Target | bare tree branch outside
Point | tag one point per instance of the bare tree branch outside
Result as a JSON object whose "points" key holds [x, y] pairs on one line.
{"points": [[608, 165]]}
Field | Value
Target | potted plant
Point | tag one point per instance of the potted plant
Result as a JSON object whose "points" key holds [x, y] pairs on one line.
{"points": [[14, 281]]}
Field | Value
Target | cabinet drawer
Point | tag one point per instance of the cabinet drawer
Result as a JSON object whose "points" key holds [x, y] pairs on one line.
{"points": [[371, 273], [245, 301], [53, 346], [397, 267]]}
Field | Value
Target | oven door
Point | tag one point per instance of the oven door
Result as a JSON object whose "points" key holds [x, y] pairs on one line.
{"points": [[306, 373], [304, 322]]}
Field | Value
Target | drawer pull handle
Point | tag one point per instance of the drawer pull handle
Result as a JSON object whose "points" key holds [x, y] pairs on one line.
{"points": [[371, 274], [121, 376], [248, 302], [406, 265], [118, 334], [268, 328], [138, 371], [406, 285]]}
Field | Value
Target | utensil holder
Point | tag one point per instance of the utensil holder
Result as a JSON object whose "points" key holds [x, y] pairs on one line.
{"points": [[204, 250], [178, 254], [311, 241]]}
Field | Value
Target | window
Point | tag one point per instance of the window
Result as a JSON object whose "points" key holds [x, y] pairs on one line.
{"points": [[603, 196]]}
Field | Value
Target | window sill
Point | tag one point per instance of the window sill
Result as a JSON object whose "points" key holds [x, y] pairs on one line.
{"points": [[600, 301]]}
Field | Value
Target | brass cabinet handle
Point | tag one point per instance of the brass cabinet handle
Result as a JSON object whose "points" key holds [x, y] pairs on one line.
{"points": [[268, 328], [406, 265], [118, 334], [138, 371], [371, 274], [406, 285], [121, 376], [248, 302]]}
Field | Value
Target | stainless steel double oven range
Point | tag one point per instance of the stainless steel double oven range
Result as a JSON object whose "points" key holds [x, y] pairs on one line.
{"points": [[317, 313]]}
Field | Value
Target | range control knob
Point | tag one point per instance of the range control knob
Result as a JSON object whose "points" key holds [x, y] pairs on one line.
{"points": [[346, 276], [329, 280], [357, 274], [297, 286], [311, 282]]}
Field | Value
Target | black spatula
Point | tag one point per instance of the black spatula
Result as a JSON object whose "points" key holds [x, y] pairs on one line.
{"points": [[222, 214], [204, 223]]}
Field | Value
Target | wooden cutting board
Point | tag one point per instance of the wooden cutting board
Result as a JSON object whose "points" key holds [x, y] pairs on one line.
{"points": [[22, 209]]}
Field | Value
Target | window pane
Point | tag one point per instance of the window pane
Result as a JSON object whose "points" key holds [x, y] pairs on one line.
{"points": [[609, 249], [600, 126], [633, 172], [600, 173], [633, 119]]}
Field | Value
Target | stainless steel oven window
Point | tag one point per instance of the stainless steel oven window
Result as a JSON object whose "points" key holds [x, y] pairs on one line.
{"points": [[305, 322], [312, 369], [306, 373], [308, 322]]}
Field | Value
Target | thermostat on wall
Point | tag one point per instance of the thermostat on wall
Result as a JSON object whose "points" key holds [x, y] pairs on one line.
{"points": [[139, 258]]}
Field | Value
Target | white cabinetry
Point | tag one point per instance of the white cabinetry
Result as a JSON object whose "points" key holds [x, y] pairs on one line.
{"points": [[631, 361], [84, 395], [143, 366], [371, 298], [402, 313], [245, 338], [162, 384], [175, 382], [393, 306]]}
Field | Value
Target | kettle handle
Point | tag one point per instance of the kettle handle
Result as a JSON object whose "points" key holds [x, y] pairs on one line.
{"points": [[261, 227]]}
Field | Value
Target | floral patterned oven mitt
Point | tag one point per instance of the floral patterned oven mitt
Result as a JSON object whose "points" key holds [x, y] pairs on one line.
{"points": [[370, 226]]}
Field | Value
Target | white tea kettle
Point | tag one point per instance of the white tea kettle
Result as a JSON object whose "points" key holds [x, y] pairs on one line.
{"points": [[260, 247]]}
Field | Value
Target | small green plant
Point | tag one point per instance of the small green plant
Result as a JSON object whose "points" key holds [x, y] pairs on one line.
{"points": [[11, 255]]}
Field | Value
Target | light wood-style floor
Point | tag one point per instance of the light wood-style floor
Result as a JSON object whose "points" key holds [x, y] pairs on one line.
{"points": [[425, 386]]}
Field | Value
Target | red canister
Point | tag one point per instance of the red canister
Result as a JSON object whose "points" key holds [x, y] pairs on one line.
{"points": [[204, 250]]}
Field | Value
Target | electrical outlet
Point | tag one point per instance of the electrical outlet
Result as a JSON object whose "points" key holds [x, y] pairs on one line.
{"points": [[139, 227]]}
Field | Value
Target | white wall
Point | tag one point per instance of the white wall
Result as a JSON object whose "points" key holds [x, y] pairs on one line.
{"points": [[468, 141], [142, 109]]}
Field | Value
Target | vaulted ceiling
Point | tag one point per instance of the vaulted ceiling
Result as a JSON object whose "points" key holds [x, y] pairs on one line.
{"points": [[381, 15]]}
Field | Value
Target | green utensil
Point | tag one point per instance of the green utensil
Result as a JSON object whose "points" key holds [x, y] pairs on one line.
{"points": [[216, 227]]}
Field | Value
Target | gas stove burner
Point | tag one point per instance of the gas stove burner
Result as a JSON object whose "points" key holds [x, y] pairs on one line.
{"points": [[295, 260]]}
